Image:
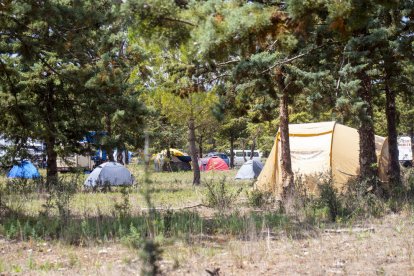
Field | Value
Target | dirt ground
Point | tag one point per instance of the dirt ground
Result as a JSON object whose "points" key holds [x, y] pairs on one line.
{"points": [[377, 247]]}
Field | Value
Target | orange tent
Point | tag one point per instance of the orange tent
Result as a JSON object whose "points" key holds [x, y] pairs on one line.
{"points": [[215, 163]]}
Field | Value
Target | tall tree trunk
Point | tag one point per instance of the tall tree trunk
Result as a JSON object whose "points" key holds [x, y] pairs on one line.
{"points": [[243, 142], [200, 146], [252, 148], [367, 155], [231, 152], [193, 151], [391, 111], [109, 149], [51, 170], [286, 163]]}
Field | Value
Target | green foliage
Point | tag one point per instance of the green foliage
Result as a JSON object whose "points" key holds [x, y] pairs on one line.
{"points": [[258, 199], [329, 198], [220, 195]]}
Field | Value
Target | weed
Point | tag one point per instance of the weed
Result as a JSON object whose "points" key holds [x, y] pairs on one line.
{"points": [[123, 208], [219, 195], [329, 198], [258, 199]]}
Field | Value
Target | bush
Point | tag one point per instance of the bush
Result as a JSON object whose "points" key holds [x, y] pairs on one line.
{"points": [[328, 197], [258, 199], [219, 195], [360, 201]]}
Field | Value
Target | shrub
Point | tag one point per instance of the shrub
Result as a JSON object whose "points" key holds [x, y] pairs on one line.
{"points": [[360, 201], [219, 195], [258, 199], [328, 196]]}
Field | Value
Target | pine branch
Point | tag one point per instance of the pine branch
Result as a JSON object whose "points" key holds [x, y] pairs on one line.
{"points": [[179, 21], [289, 60]]}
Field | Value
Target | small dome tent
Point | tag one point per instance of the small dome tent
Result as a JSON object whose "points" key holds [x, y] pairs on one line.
{"points": [[215, 163], [318, 148], [25, 169], [250, 170], [109, 173]]}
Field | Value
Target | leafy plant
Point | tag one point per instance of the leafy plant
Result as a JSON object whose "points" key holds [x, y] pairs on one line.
{"points": [[219, 195]]}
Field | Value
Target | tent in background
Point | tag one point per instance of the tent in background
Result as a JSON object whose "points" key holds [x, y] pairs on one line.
{"points": [[319, 148], [250, 170], [25, 169], [202, 163], [179, 161], [215, 163], [109, 173]]}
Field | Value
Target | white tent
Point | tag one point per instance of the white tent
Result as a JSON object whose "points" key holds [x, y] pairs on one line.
{"points": [[109, 173], [250, 170]]}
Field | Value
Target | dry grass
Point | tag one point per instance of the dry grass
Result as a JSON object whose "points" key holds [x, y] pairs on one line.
{"points": [[292, 249], [386, 251]]}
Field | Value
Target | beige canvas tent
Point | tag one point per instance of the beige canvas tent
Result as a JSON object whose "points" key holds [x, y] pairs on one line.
{"points": [[319, 148]]}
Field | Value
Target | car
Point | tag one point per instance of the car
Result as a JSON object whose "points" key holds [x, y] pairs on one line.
{"points": [[239, 159], [221, 155]]}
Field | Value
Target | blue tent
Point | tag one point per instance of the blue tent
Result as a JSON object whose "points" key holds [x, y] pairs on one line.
{"points": [[24, 169]]}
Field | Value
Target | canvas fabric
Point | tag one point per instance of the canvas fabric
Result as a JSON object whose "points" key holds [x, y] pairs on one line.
{"points": [[317, 149]]}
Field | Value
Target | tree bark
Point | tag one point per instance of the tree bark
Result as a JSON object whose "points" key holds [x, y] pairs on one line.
{"points": [[200, 146], [243, 149], [193, 151], [391, 112], [367, 155], [109, 149], [231, 152], [51, 170], [286, 163], [252, 148]]}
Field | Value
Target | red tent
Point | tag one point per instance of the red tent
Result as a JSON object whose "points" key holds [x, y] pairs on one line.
{"points": [[215, 163]]}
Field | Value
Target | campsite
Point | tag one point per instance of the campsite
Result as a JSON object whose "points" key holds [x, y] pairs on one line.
{"points": [[206, 137]]}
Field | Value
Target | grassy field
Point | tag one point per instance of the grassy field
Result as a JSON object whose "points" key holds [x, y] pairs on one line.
{"points": [[83, 232]]}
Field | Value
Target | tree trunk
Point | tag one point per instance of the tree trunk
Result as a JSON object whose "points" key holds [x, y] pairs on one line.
{"points": [[193, 151], [252, 148], [367, 155], [231, 152], [243, 149], [109, 149], [200, 146], [391, 111], [286, 163], [51, 170]]}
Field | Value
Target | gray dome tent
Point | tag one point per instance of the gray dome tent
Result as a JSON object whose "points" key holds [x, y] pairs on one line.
{"points": [[109, 173], [250, 170]]}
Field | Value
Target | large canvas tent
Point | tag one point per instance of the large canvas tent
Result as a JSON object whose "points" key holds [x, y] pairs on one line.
{"points": [[320, 148], [250, 170]]}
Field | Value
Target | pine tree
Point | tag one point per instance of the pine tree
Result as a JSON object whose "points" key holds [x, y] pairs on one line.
{"points": [[45, 63]]}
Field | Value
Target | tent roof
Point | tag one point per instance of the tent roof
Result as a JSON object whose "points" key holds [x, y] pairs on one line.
{"points": [[25, 169], [250, 170], [113, 173]]}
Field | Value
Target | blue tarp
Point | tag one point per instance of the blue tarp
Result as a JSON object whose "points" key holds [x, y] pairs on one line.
{"points": [[24, 170]]}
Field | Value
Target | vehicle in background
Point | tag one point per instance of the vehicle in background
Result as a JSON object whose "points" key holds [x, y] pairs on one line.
{"points": [[405, 154], [221, 155], [239, 159]]}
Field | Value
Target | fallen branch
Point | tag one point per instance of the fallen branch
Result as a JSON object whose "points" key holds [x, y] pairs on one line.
{"points": [[174, 209], [351, 230]]}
